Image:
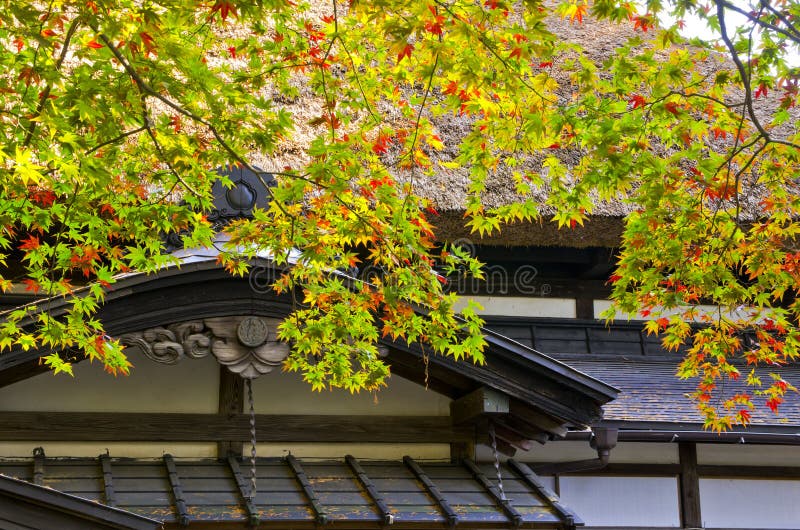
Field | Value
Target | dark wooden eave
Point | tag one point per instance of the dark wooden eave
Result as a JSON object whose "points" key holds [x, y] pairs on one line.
{"points": [[26, 505], [200, 289]]}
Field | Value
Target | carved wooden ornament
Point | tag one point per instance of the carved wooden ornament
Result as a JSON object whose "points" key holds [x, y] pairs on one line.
{"points": [[247, 345]]}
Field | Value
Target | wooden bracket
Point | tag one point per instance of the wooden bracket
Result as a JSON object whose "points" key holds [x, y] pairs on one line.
{"points": [[475, 405]]}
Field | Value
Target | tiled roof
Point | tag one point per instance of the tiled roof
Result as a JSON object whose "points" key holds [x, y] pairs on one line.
{"points": [[651, 392]]}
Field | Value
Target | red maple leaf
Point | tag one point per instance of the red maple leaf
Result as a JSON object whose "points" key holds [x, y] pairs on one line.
{"points": [[31, 243], [94, 44], [773, 403], [762, 90], [224, 8], [672, 108], [43, 198], [31, 285], [637, 100], [405, 52], [642, 22]]}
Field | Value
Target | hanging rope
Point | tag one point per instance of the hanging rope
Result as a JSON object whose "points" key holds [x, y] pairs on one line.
{"points": [[497, 462], [249, 384]]}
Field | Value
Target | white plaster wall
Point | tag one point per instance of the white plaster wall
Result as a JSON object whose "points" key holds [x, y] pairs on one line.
{"points": [[367, 451], [602, 305], [565, 451], [520, 306], [620, 502], [189, 386], [286, 393], [750, 503], [748, 455]]}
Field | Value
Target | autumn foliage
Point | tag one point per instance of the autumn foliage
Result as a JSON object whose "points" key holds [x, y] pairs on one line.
{"points": [[114, 116]]}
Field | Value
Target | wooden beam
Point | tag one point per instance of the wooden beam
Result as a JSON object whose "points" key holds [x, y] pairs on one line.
{"points": [[527, 414], [158, 427], [475, 405], [231, 403], [690, 486]]}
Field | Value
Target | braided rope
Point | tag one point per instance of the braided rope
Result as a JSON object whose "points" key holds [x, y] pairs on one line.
{"points": [[497, 463], [249, 384]]}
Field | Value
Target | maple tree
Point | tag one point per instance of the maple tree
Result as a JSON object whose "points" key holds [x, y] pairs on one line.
{"points": [[115, 114]]}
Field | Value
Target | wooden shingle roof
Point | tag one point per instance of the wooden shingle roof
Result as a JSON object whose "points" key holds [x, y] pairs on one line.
{"points": [[294, 493]]}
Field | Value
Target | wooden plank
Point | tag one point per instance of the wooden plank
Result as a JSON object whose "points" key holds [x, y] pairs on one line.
{"points": [[514, 516], [108, 480], [231, 403], [157, 427], [246, 495], [308, 490], [433, 491], [569, 517], [366, 482], [177, 491], [690, 486]]}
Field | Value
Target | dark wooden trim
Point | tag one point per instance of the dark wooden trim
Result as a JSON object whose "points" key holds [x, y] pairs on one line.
{"points": [[175, 427], [632, 470], [108, 480], [372, 491], [502, 502], [690, 486], [536, 418], [299, 473], [231, 403], [177, 491], [739, 471], [433, 491], [52, 506], [247, 496]]}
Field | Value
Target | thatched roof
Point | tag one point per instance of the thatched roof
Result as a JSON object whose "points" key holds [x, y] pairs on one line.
{"points": [[447, 188]]}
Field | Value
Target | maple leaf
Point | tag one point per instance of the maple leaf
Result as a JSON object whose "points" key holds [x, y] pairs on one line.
{"points": [[761, 91], [672, 108], [516, 52], [32, 285], [637, 100], [30, 243], [773, 403], [642, 22], [224, 8], [94, 44], [405, 52]]}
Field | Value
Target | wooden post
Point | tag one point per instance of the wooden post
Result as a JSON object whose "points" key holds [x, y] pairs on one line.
{"points": [[584, 308], [231, 402], [690, 486]]}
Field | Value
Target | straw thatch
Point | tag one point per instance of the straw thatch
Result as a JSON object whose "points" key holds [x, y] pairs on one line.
{"points": [[447, 188]]}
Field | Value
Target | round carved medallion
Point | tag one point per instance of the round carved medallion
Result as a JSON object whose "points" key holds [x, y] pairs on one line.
{"points": [[252, 331]]}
